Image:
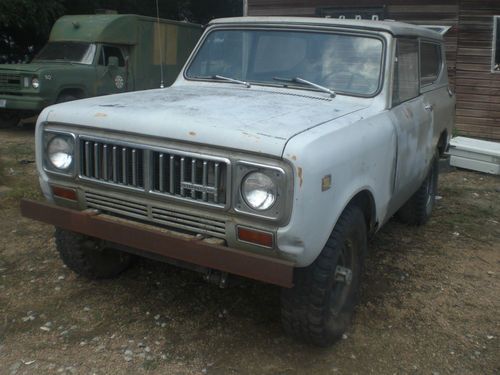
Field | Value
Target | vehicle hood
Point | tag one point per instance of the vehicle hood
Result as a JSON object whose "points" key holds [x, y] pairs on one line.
{"points": [[33, 67], [253, 119]]}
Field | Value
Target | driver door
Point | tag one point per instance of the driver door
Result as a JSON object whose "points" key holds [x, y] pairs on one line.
{"points": [[112, 76]]}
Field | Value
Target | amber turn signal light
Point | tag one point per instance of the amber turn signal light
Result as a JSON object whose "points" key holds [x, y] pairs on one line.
{"points": [[256, 237], [66, 193]]}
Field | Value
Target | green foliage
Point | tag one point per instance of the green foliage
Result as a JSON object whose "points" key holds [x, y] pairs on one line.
{"points": [[25, 23]]}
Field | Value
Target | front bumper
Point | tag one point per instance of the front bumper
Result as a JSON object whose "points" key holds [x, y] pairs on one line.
{"points": [[164, 243], [24, 102]]}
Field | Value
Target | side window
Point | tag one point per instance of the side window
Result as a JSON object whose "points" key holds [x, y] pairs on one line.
{"points": [[406, 82], [430, 62], [109, 51], [495, 63]]}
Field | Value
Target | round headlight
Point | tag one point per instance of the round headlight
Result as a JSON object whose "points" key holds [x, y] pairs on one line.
{"points": [[259, 191], [35, 83], [60, 152]]}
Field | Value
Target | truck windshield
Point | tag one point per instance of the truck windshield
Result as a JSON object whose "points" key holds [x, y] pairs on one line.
{"points": [[349, 64], [76, 52]]}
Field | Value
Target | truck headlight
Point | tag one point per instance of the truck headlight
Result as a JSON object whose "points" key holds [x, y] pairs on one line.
{"points": [[259, 191], [35, 82], [60, 152]]}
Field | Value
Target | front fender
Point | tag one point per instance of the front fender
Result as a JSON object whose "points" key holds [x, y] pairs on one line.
{"points": [[356, 156]]}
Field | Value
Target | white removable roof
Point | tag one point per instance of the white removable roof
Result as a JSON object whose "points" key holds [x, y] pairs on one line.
{"points": [[475, 154]]}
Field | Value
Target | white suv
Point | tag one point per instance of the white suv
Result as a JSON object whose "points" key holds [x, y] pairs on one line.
{"points": [[283, 145]]}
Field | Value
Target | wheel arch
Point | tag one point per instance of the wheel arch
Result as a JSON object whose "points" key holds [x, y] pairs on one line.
{"points": [[366, 202], [77, 92]]}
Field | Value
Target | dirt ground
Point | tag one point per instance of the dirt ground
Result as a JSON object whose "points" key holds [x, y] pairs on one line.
{"points": [[430, 300]]}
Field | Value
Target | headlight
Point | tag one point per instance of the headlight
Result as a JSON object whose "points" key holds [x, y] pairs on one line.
{"points": [[259, 191], [60, 152], [35, 83]]}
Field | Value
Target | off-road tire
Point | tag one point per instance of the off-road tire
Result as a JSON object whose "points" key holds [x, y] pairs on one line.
{"points": [[89, 257], [318, 309], [8, 119], [418, 209]]}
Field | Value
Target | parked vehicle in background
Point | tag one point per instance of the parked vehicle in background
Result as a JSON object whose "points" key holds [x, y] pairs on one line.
{"points": [[283, 145], [94, 55]]}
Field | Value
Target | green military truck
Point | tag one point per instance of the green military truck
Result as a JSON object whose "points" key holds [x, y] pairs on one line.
{"points": [[93, 55]]}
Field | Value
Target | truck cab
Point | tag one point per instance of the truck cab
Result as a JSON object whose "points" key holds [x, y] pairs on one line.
{"points": [[95, 55]]}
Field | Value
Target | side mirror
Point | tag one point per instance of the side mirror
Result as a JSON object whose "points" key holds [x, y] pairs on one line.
{"points": [[112, 62]]}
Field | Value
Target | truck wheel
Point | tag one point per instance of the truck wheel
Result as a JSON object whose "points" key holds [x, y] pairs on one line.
{"points": [[418, 209], [8, 119], [88, 257], [319, 307]]}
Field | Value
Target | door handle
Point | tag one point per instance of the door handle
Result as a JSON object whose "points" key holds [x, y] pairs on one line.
{"points": [[429, 107]]}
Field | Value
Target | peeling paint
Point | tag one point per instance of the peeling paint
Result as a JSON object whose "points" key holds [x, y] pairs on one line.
{"points": [[192, 134], [299, 173]]}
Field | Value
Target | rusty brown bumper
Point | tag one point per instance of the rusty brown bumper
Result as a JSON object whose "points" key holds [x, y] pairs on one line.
{"points": [[148, 239]]}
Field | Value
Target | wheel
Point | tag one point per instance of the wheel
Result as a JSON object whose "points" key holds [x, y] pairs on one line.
{"points": [[90, 258], [319, 307], [63, 98], [8, 119], [418, 209]]}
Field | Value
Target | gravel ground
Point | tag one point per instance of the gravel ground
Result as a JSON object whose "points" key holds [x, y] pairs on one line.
{"points": [[430, 300]]}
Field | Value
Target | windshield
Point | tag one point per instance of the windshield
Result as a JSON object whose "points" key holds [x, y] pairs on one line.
{"points": [[67, 51], [343, 63]]}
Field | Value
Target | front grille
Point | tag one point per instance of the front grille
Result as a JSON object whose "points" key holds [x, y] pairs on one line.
{"points": [[112, 163], [118, 206], [198, 179], [165, 217], [10, 81], [169, 173]]}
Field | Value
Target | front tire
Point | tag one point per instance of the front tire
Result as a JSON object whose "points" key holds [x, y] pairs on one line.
{"points": [[418, 209], [90, 258], [318, 309]]}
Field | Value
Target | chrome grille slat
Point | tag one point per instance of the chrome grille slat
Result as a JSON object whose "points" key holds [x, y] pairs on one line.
{"points": [[111, 200], [124, 167], [175, 219], [176, 174], [187, 217]]}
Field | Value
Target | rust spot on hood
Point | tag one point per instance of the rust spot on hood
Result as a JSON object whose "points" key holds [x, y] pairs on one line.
{"points": [[299, 173], [192, 134], [100, 114]]}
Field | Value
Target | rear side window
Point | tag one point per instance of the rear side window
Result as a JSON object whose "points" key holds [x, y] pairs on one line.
{"points": [[430, 62], [406, 80]]}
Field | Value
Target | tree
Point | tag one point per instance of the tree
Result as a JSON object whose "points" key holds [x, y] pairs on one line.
{"points": [[25, 24]]}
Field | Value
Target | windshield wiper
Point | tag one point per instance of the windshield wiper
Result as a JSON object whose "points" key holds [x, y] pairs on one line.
{"points": [[231, 80], [308, 83], [222, 78]]}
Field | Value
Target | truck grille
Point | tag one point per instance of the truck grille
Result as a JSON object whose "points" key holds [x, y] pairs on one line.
{"points": [[170, 173], [189, 222], [197, 179], [10, 81], [112, 163]]}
